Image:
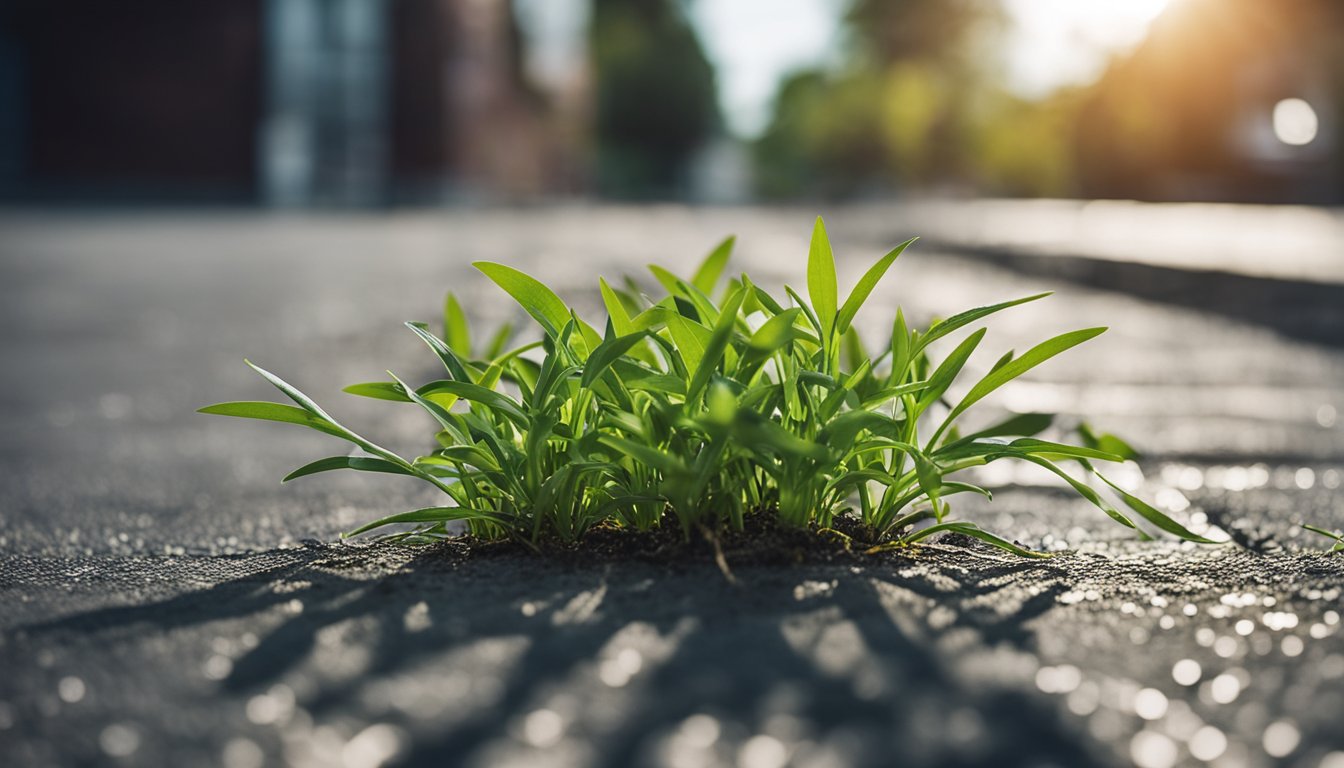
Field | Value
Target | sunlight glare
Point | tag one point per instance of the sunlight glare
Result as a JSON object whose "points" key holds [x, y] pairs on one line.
{"points": [[1059, 42]]}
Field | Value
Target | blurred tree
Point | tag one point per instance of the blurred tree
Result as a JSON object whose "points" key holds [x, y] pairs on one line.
{"points": [[903, 109], [655, 97]]}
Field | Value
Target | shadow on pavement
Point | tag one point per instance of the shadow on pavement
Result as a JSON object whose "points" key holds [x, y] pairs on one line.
{"points": [[1298, 309], [765, 656]]}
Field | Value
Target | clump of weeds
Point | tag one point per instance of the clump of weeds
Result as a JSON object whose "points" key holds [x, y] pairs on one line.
{"points": [[711, 403]]}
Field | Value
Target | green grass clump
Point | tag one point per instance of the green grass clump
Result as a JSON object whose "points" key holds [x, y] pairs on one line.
{"points": [[704, 406]]}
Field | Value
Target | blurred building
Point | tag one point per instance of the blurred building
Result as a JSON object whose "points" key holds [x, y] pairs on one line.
{"points": [[287, 102]]}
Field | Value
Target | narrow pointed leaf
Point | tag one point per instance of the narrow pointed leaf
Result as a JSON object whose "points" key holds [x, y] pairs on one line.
{"points": [[360, 463], [607, 353], [455, 365], [379, 390], [960, 320], [1154, 515], [456, 332], [280, 412], [616, 312], [821, 285], [866, 285], [708, 273], [974, 531], [434, 515], [1030, 359]]}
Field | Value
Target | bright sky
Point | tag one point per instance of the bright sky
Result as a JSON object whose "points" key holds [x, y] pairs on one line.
{"points": [[1065, 42], [756, 43]]}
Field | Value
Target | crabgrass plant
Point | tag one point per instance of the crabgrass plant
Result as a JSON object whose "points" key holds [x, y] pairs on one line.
{"points": [[711, 403]]}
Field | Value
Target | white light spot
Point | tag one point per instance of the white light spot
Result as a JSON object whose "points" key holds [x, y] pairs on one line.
{"points": [[1152, 750], [543, 728], [71, 689], [372, 747], [417, 618], [1225, 688], [1292, 646], [1281, 738], [1305, 478], [1326, 415], [700, 731], [1208, 743], [217, 667], [1150, 704], [1295, 122], [1333, 760], [119, 740], [1061, 679], [618, 670], [1085, 700], [1186, 672], [762, 752], [274, 706]]}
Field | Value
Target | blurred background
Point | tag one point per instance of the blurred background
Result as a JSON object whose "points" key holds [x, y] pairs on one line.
{"points": [[186, 183], [384, 102]]}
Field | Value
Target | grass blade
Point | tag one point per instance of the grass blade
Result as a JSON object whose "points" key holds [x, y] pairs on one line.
{"points": [[715, 347], [456, 332], [280, 412], [620, 318], [379, 390], [866, 285], [292, 393], [821, 285], [708, 273], [360, 463], [456, 367], [607, 353], [539, 301], [960, 320], [1338, 538], [974, 531], [1155, 515], [433, 515], [1030, 359]]}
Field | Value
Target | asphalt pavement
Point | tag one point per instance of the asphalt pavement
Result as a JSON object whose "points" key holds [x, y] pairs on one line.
{"points": [[164, 600]]}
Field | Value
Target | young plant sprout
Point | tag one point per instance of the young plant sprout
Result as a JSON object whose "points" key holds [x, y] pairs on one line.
{"points": [[712, 403]]}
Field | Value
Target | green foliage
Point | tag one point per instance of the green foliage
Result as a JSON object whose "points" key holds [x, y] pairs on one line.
{"points": [[1334, 536], [703, 406], [654, 97]]}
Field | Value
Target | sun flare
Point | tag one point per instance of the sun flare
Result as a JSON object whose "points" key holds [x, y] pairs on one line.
{"points": [[1056, 42]]}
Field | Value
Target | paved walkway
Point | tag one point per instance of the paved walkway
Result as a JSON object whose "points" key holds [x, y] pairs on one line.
{"points": [[1280, 242], [156, 607]]}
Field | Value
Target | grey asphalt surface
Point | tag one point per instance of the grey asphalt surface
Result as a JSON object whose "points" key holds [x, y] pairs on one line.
{"points": [[163, 600]]}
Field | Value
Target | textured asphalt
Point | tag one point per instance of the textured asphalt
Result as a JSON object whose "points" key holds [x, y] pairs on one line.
{"points": [[163, 600]]}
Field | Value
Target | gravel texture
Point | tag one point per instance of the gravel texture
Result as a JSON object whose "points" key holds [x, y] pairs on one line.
{"points": [[163, 601]]}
